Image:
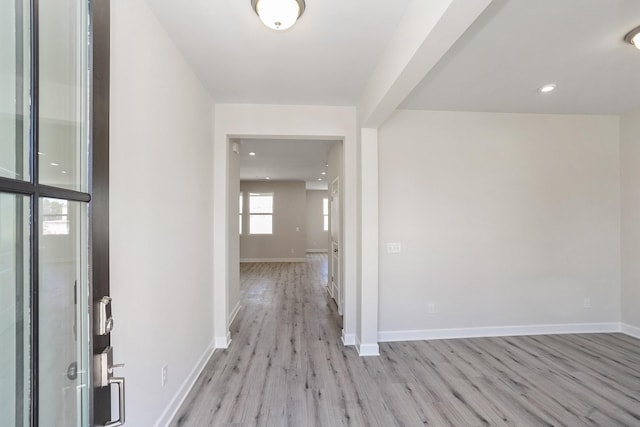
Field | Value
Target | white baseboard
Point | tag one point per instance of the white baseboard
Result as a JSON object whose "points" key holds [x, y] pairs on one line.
{"points": [[498, 331], [348, 339], [632, 331], [367, 349], [222, 342], [177, 401], [273, 260], [317, 251], [234, 313]]}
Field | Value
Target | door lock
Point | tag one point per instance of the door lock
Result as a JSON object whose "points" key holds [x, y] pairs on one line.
{"points": [[103, 377], [102, 316]]}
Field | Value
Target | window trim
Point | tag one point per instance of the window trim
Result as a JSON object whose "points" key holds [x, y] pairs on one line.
{"points": [[259, 214]]}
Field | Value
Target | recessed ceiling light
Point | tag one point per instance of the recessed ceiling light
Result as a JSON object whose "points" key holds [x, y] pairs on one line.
{"points": [[252, 153], [319, 179], [267, 177], [63, 172], [324, 173], [633, 37], [54, 164], [547, 88]]}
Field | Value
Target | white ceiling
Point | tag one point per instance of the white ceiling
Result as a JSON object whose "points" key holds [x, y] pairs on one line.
{"points": [[325, 59], [286, 159], [516, 46]]}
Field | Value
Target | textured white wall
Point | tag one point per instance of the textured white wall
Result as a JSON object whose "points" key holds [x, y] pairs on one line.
{"points": [[503, 220], [630, 161], [161, 210]]}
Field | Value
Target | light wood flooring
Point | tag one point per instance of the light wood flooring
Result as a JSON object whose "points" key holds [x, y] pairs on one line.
{"points": [[286, 366]]}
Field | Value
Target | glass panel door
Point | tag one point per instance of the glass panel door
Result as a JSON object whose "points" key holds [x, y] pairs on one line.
{"points": [[44, 213], [14, 87], [14, 310], [63, 335], [62, 94], [62, 313]]}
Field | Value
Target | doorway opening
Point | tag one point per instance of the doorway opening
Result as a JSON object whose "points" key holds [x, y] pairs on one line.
{"points": [[277, 193]]}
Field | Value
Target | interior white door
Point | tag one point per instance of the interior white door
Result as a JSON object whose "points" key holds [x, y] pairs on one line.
{"points": [[336, 282]]}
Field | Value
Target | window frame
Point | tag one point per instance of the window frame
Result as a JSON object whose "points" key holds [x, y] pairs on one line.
{"points": [[255, 214]]}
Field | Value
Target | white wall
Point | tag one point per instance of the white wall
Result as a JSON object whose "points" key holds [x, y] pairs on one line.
{"points": [[161, 210], [289, 218], [234, 245], [503, 220], [630, 165], [317, 239]]}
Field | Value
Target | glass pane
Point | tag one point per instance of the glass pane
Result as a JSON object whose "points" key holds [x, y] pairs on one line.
{"points": [[14, 87], [63, 88], [63, 313], [261, 203], [15, 352], [260, 224]]}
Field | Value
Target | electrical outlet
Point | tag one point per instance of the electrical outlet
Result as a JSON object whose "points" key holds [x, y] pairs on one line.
{"points": [[165, 372], [587, 302], [431, 308], [393, 248]]}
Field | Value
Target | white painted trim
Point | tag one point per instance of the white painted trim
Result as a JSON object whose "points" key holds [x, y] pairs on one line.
{"points": [[348, 339], [283, 121], [273, 260], [234, 313], [178, 399], [632, 331], [222, 342], [317, 251], [367, 349], [497, 331]]}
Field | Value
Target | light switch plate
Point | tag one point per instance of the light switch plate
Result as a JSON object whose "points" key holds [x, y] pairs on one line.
{"points": [[393, 248]]}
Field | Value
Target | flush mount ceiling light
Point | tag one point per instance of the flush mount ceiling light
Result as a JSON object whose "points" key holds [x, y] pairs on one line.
{"points": [[278, 14], [633, 37]]}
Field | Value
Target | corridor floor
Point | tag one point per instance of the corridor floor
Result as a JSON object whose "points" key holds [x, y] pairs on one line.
{"points": [[286, 366]]}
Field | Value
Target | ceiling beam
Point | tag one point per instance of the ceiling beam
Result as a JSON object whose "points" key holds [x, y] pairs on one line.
{"points": [[427, 31]]}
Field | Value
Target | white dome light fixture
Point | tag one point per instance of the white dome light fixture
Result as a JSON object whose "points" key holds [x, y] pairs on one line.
{"points": [[633, 37], [278, 14]]}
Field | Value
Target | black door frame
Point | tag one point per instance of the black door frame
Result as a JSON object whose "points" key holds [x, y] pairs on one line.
{"points": [[99, 185]]}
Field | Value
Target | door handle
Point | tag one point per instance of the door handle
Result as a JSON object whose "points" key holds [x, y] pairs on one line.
{"points": [[119, 381], [103, 377], [335, 251]]}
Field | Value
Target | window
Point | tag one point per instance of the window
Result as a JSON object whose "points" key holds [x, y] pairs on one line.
{"points": [[240, 210], [325, 213], [260, 213]]}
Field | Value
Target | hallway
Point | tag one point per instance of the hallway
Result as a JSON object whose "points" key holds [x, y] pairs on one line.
{"points": [[286, 366]]}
